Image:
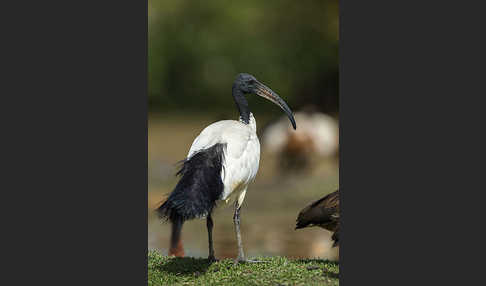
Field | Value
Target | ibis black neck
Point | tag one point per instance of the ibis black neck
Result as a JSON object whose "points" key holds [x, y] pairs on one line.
{"points": [[242, 104]]}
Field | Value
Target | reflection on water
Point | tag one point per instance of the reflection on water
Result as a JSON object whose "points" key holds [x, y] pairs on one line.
{"points": [[268, 213]]}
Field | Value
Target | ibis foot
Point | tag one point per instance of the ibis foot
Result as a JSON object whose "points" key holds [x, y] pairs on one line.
{"points": [[244, 260]]}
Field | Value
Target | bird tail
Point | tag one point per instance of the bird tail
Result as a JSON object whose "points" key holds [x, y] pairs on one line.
{"points": [[196, 193], [199, 187], [165, 211]]}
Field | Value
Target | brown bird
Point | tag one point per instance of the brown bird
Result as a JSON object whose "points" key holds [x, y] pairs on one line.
{"points": [[176, 248], [323, 213]]}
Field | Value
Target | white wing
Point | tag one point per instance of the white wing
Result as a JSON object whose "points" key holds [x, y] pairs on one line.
{"points": [[242, 152], [207, 138], [235, 134]]}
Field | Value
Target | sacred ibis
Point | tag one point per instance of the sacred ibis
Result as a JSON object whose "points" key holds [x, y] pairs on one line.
{"points": [[222, 161], [323, 213]]}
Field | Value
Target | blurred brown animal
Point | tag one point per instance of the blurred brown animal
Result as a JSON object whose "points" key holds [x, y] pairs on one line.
{"points": [[323, 213], [297, 151], [316, 138], [175, 248]]}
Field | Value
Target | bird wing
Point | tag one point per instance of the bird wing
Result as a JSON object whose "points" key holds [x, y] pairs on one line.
{"points": [[208, 137], [225, 131], [241, 156]]}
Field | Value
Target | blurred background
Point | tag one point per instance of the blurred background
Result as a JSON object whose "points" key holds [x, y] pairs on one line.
{"points": [[196, 48]]}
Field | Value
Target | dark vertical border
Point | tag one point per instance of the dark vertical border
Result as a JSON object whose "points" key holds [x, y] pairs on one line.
{"points": [[409, 94], [341, 145], [341, 161], [76, 176]]}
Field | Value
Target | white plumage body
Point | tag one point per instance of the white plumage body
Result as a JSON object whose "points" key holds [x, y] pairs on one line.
{"points": [[241, 155]]}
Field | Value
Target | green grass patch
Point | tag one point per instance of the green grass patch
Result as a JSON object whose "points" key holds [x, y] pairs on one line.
{"points": [[163, 270]]}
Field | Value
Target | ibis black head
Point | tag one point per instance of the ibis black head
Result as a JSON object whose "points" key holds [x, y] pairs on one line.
{"points": [[248, 84]]}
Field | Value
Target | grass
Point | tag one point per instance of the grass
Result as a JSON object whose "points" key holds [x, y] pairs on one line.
{"points": [[163, 270]]}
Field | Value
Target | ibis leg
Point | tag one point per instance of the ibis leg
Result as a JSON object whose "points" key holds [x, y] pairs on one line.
{"points": [[209, 225], [176, 247], [236, 220]]}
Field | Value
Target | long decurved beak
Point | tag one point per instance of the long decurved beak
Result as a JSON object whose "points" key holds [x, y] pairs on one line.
{"points": [[265, 92]]}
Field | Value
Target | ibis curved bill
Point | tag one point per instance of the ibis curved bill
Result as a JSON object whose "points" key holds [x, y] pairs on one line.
{"points": [[267, 93]]}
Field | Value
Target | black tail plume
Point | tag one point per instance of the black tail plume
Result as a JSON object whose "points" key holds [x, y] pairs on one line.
{"points": [[199, 188]]}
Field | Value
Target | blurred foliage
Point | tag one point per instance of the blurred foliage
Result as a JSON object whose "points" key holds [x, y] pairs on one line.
{"points": [[196, 48]]}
